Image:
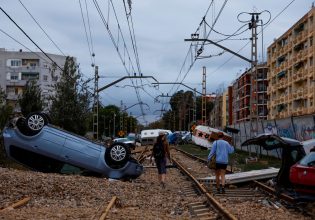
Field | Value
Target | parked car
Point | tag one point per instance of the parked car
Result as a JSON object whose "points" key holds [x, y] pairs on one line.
{"points": [[302, 174], [292, 152], [37, 144], [130, 143]]}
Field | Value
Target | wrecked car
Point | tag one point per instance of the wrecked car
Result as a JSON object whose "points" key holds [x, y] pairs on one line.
{"points": [[39, 145], [302, 174], [292, 151]]}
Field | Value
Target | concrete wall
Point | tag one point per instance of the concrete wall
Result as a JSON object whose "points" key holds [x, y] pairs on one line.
{"points": [[301, 128]]}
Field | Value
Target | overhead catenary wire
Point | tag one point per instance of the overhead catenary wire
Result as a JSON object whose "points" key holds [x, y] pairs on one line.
{"points": [[122, 36], [206, 37], [116, 45], [88, 39], [30, 38], [46, 55], [42, 29], [266, 25], [37, 54], [189, 53]]}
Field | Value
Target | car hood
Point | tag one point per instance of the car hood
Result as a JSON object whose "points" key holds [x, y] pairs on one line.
{"points": [[272, 141]]}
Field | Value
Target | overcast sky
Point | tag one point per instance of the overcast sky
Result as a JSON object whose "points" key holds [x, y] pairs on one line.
{"points": [[160, 27]]}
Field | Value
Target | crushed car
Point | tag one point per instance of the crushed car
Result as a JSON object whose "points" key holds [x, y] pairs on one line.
{"points": [[292, 152], [36, 143], [302, 174]]}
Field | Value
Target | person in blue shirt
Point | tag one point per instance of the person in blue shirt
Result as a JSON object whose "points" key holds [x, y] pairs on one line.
{"points": [[222, 149]]}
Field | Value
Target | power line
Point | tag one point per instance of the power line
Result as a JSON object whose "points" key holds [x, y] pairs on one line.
{"points": [[31, 39], [120, 31], [89, 42], [257, 34], [106, 24], [190, 48], [42, 28], [37, 54]]}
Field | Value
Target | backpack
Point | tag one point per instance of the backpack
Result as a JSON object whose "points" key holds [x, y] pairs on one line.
{"points": [[158, 151]]}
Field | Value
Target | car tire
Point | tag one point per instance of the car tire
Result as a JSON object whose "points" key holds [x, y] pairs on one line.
{"points": [[35, 122], [117, 155]]}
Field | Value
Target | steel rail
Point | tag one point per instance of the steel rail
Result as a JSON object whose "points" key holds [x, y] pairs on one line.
{"points": [[274, 192], [212, 200]]}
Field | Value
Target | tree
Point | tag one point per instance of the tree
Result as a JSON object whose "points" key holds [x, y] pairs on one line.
{"points": [[178, 117], [31, 99], [70, 106], [5, 110]]}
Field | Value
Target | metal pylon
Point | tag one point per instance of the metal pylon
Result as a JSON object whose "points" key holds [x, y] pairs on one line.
{"points": [[204, 97], [95, 105]]}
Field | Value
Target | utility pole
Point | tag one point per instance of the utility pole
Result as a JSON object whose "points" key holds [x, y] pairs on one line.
{"points": [[204, 97], [95, 105], [254, 95], [195, 107]]}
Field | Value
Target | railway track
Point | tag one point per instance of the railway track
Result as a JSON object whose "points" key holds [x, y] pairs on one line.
{"points": [[239, 202], [54, 196]]}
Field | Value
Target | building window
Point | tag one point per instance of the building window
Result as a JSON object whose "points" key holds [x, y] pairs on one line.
{"points": [[311, 41], [14, 77], [30, 76], [33, 65], [45, 78], [311, 61], [15, 63]]}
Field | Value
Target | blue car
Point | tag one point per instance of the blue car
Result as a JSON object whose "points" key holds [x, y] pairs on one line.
{"points": [[39, 145]]}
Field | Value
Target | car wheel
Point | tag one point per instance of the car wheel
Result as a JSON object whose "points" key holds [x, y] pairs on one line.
{"points": [[35, 122], [117, 155]]}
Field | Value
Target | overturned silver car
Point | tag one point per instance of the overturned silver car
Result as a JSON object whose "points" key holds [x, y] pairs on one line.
{"points": [[39, 145]]}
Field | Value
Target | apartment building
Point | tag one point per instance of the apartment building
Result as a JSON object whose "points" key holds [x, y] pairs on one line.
{"points": [[249, 95], [17, 67], [219, 116], [291, 76]]}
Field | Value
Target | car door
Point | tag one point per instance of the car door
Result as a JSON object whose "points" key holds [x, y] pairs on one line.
{"points": [[81, 153], [50, 143]]}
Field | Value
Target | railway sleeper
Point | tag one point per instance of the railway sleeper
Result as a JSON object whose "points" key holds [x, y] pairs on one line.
{"points": [[201, 210]]}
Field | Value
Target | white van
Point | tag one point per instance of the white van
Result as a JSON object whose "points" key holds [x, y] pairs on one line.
{"points": [[148, 137]]}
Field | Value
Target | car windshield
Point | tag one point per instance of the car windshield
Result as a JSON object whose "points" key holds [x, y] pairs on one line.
{"points": [[308, 160]]}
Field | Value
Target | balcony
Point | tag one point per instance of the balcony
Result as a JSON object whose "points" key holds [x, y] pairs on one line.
{"points": [[305, 111], [16, 83], [283, 82], [12, 96]]}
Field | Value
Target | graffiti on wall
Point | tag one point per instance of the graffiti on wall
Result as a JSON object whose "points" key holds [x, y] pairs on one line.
{"points": [[285, 128], [269, 127], [304, 128]]}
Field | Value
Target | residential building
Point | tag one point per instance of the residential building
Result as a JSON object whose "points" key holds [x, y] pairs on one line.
{"points": [[291, 76], [219, 113], [17, 67], [249, 95]]}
